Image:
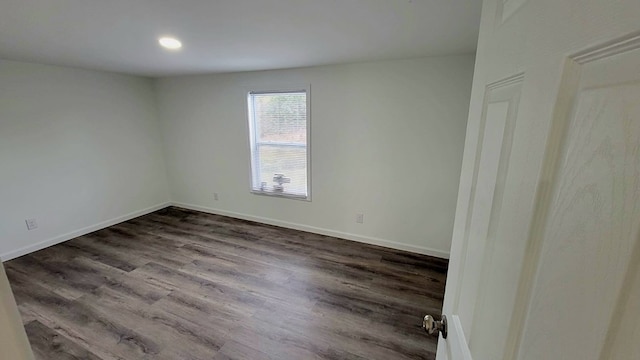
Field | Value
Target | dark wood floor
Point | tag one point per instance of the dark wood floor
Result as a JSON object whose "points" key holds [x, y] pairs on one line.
{"points": [[179, 284]]}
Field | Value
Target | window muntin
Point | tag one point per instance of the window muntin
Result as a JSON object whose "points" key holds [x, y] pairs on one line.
{"points": [[279, 131]]}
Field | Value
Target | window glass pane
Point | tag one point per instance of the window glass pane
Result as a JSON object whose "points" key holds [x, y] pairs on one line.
{"points": [[278, 123], [281, 117], [287, 160]]}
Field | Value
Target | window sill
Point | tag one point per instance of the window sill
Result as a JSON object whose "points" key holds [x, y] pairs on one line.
{"points": [[282, 195]]}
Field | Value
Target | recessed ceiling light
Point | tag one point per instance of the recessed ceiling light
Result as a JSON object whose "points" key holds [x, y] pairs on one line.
{"points": [[170, 43]]}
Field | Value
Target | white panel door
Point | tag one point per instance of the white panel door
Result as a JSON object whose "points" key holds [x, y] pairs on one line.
{"points": [[14, 344], [545, 258]]}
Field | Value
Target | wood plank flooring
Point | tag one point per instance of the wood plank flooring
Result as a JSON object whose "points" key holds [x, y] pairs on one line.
{"points": [[180, 284]]}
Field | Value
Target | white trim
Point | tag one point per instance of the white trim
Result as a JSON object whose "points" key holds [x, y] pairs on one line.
{"points": [[321, 231], [458, 345], [85, 230], [621, 45], [510, 7], [316, 230], [281, 195], [510, 80]]}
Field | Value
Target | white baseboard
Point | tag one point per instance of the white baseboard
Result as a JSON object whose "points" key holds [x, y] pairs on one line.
{"points": [[290, 225], [321, 231], [68, 236]]}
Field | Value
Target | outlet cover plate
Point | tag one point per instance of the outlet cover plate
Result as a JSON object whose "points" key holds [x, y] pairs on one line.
{"points": [[31, 224]]}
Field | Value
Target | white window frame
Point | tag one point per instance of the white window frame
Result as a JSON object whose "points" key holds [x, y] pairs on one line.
{"points": [[253, 153]]}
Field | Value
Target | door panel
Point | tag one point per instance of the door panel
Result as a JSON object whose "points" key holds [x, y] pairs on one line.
{"points": [[13, 339], [499, 120], [456, 346], [623, 339], [496, 296], [498, 124], [545, 256], [488, 164], [594, 217]]}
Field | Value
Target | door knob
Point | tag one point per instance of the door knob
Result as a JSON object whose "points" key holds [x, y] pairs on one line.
{"points": [[433, 326]]}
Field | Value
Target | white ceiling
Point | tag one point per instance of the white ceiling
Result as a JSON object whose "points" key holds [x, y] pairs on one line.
{"points": [[232, 35]]}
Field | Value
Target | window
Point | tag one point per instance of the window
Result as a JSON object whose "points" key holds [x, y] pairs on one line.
{"points": [[279, 133]]}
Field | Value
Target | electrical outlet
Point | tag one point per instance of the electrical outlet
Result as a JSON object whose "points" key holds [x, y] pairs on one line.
{"points": [[31, 224], [360, 218], [215, 197]]}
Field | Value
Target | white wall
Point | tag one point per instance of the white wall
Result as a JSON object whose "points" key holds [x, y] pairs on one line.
{"points": [[78, 150], [386, 141]]}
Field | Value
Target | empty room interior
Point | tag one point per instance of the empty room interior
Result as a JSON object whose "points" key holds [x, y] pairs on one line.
{"points": [[280, 179], [141, 216]]}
